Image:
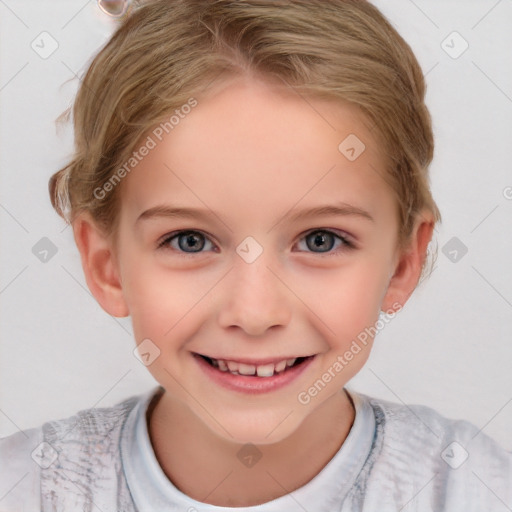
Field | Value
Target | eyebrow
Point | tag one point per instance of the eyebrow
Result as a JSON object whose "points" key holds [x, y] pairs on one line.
{"points": [[343, 209], [340, 209]]}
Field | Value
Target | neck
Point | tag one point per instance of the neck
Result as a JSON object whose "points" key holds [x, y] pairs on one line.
{"points": [[203, 466]]}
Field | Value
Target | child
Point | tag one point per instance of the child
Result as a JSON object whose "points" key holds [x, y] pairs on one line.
{"points": [[289, 144]]}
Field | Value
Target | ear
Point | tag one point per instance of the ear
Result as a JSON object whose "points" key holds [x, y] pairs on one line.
{"points": [[408, 268], [100, 265]]}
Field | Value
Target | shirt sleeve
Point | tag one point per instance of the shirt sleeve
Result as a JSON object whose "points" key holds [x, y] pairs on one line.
{"points": [[21, 457]]}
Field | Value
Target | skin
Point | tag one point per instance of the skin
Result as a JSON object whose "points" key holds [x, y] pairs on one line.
{"points": [[253, 154]]}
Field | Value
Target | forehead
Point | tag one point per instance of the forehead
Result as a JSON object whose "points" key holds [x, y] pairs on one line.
{"points": [[247, 143]]}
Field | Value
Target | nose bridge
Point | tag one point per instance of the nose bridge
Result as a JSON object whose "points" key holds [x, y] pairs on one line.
{"points": [[255, 298]]}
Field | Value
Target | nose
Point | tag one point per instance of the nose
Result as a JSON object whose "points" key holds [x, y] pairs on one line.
{"points": [[255, 298]]}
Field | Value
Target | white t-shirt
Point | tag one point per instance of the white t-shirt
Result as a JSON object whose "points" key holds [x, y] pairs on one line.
{"points": [[395, 457]]}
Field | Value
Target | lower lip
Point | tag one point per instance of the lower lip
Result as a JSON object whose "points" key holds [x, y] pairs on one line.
{"points": [[249, 383]]}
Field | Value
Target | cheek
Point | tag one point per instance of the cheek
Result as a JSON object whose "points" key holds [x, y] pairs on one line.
{"points": [[350, 299], [161, 301], [149, 297]]}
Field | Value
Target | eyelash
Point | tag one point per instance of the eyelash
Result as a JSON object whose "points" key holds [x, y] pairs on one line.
{"points": [[347, 244]]}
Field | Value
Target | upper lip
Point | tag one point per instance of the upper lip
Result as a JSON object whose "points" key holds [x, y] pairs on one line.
{"points": [[256, 362]]}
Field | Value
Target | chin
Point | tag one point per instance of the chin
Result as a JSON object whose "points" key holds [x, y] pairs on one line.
{"points": [[260, 431]]}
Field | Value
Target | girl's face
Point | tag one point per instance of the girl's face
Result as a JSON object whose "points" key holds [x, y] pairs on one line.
{"points": [[219, 255]]}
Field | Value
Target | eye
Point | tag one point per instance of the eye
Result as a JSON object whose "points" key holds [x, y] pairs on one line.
{"points": [[194, 240], [325, 240]]}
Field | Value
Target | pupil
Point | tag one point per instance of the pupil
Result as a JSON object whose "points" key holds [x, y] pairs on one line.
{"points": [[192, 239], [321, 239]]}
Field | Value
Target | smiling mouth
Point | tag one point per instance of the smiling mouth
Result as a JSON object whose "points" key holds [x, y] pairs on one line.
{"points": [[260, 370]]}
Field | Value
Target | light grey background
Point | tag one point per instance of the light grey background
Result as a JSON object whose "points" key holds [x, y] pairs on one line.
{"points": [[450, 348]]}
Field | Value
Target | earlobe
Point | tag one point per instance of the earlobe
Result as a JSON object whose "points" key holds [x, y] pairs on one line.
{"points": [[409, 266], [99, 265]]}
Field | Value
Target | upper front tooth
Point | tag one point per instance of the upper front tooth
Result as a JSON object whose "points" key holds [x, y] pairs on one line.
{"points": [[289, 362], [265, 370], [246, 369]]}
